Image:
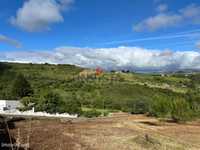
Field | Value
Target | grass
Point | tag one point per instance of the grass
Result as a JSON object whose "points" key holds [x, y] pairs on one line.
{"points": [[99, 110]]}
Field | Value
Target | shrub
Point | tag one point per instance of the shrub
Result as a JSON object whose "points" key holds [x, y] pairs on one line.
{"points": [[26, 101], [72, 106], [178, 109], [92, 113], [181, 110], [140, 106], [105, 113], [160, 107], [50, 103], [193, 98]]}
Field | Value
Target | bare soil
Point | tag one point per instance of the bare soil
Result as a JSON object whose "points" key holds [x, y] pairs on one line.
{"points": [[120, 132]]}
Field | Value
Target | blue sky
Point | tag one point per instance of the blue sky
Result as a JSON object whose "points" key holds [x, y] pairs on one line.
{"points": [[87, 27]]}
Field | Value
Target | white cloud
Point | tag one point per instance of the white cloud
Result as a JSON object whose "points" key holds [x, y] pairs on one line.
{"points": [[9, 41], [162, 7], [37, 15], [188, 15], [65, 4], [159, 21], [198, 44], [134, 58], [191, 12]]}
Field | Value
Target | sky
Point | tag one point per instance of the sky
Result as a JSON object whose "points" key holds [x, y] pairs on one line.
{"points": [[140, 35]]}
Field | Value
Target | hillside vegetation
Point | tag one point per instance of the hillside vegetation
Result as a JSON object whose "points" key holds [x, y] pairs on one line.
{"points": [[68, 86]]}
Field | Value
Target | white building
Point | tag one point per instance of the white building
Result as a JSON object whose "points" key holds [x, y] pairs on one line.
{"points": [[9, 105]]}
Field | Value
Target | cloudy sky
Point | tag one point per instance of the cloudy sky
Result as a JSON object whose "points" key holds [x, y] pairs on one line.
{"points": [[153, 35]]}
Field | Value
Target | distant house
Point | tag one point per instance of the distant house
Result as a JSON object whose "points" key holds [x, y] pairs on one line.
{"points": [[9, 105]]}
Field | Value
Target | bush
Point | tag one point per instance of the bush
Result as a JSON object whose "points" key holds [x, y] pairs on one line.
{"points": [[194, 101], [50, 103], [92, 113], [178, 109], [72, 106], [26, 101], [140, 106], [53, 102], [160, 107], [181, 110]]}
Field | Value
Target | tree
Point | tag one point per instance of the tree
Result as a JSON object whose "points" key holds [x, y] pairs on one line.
{"points": [[21, 87], [72, 105], [53, 102], [50, 103]]}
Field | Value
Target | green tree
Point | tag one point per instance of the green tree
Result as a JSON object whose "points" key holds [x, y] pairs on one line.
{"points": [[50, 103], [72, 105], [21, 87]]}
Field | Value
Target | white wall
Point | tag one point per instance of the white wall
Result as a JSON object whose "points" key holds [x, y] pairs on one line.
{"points": [[2, 104], [9, 104]]}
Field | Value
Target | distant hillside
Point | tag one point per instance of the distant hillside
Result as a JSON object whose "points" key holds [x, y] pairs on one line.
{"points": [[117, 88]]}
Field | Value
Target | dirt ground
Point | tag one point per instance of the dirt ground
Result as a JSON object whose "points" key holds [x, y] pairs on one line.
{"points": [[120, 132]]}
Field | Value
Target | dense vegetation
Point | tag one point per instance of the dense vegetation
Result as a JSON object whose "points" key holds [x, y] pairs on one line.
{"points": [[67, 88]]}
